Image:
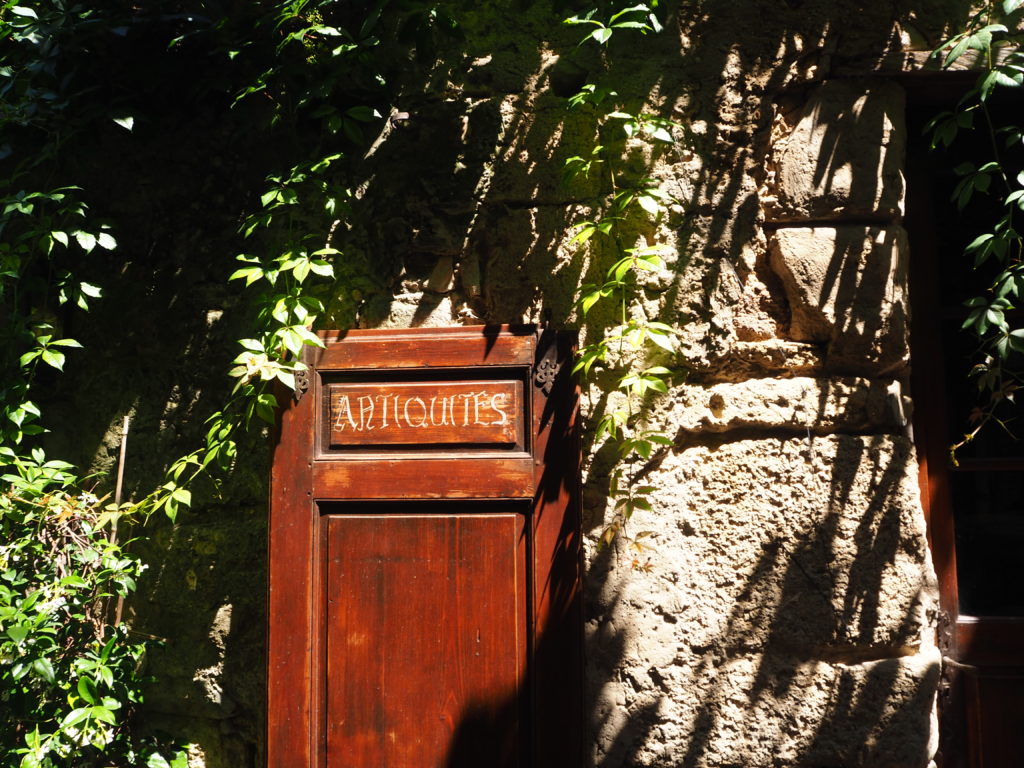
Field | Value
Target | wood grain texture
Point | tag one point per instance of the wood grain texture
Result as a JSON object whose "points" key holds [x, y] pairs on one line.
{"points": [[425, 631], [290, 608], [409, 544], [488, 413], [427, 348], [931, 424], [448, 478]]}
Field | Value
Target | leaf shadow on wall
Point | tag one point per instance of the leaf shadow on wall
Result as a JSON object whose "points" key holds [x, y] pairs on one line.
{"points": [[515, 235], [473, 177], [826, 673]]}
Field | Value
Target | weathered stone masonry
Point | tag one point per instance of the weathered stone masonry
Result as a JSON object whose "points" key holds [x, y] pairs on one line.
{"points": [[790, 621], [788, 615]]}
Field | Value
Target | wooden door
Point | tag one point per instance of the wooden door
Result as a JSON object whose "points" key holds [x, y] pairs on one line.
{"points": [[424, 556], [426, 634], [975, 505]]}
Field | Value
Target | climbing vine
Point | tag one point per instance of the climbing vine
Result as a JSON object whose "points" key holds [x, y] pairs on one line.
{"points": [[71, 669], [316, 76], [68, 669], [634, 347], [996, 251]]}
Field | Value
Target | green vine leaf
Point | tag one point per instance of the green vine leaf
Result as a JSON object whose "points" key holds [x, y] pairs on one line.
{"points": [[629, 200]]}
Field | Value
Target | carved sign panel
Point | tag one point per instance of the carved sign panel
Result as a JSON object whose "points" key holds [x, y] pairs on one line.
{"points": [[426, 413]]}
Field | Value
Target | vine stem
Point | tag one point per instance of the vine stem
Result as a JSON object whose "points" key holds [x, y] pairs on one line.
{"points": [[991, 133], [118, 488]]}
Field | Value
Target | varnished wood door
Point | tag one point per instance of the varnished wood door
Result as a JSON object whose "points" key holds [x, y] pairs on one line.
{"points": [[426, 634], [424, 555]]}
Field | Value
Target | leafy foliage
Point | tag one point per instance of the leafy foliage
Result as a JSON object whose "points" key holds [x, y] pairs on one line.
{"points": [[287, 312], [627, 346], [996, 372], [636, 17], [69, 670], [70, 675], [308, 71]]}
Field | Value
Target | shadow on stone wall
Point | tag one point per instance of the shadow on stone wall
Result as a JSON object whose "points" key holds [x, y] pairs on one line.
{"points": [[828, 301], [819, 660], [464, 219], [815, 657]]}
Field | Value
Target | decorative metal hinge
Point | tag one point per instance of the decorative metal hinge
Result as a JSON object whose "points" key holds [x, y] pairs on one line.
{"points": [[545, 376], [301, 382], [944, 632], [950, 667], [546, 369]]}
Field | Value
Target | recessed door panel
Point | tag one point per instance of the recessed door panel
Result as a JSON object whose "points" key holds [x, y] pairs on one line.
{"points": [[997, 706], [426, 633], [424, 554]]}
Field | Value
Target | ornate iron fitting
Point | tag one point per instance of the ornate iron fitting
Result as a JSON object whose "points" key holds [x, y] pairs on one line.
{"points": [[547, 370], [301, 383]]}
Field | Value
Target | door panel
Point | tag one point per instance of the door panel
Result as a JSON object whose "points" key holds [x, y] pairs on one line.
{"points": [[974, 505], [424, 603], [426, 631], [996, 703]]}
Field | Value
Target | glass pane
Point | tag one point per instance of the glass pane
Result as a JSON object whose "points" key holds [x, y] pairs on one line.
{"points": [[988, 487], [989, 518]]}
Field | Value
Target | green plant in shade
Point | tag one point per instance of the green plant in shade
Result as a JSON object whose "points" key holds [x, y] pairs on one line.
{"points": [[998, 249], [69, 669]]}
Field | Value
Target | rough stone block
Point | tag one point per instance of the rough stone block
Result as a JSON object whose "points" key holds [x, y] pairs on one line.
{"points": [[520, 249], [426, 309], [786, 618], [846, 286], [812, 545], [769, 711], [844, 156], [798, 404], [442, 277], [750, 359]]}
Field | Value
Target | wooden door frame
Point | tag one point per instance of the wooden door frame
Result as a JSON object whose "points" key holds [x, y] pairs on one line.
{"points": [[302, 476], [932, 444], [972, 647]]}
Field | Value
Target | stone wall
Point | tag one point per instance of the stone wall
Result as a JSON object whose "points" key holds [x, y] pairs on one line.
{"points": [[787, 617], [788, 612]]}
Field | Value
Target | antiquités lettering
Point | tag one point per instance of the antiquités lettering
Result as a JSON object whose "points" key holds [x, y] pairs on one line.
{"points": [[362, 413], [425, 413]]}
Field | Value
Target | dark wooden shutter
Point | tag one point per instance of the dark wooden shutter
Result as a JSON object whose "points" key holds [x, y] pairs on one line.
{"points": [[424, 555]]}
